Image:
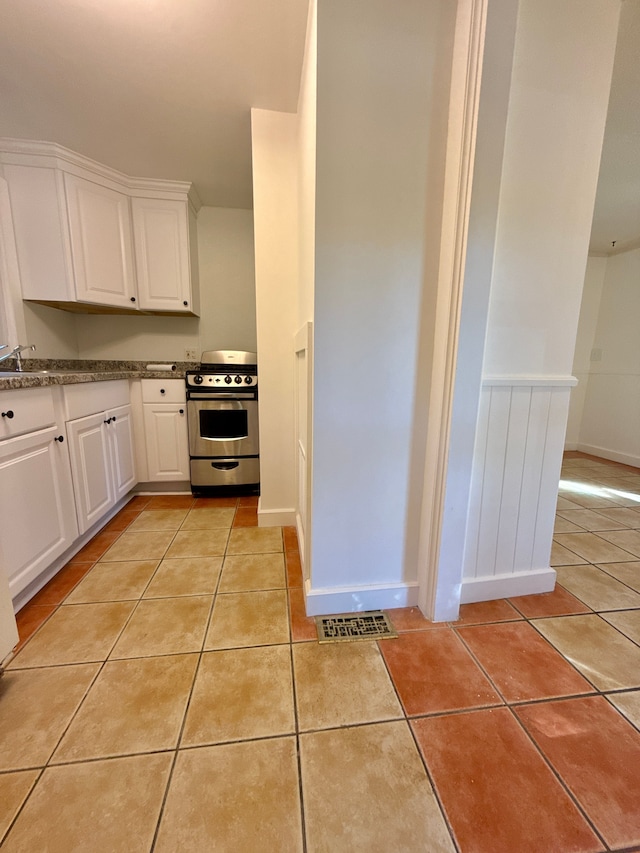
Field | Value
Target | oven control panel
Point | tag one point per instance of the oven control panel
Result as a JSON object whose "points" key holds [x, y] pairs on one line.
{"points": [[215, 381]]}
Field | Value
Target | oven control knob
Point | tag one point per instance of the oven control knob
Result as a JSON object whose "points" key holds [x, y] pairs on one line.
{"points": [[248, 380], [197, 379], [238, 380], [228, 380]]}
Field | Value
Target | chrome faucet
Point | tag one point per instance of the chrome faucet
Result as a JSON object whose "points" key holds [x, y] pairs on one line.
{"points": [[16, 353]]}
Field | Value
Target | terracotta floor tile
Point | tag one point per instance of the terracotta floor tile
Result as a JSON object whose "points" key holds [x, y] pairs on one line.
{"points": [[165, 626], [102, 806], [61, 584], [170, 502], [14, 788], [208, 518], [597, 588], [433, 671], [248, 500], [294, 569], [96, 547], [133, 706], [410, 619], [159, 519], [76, 633], [498, 793], [341, 684], [249, 619], [138, 502], [215, 502], [247, 572], [36, 706], [30, 618], [199, 543], [628, 573], [556, 603], [486, 611], [144, 545], [597, 754], [589, 519], [185, 576], [521, 664], [241, 694], [246, 517], [387, 803], [240, 796], [628, 704], [599, 651], [114, 582], [303, 627], [121, 521], [290, 535], [628, 622], [255, 540], [593, 548]]}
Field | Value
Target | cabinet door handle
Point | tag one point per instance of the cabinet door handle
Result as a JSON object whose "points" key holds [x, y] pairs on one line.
{"points": [[185, 303], [133, 299], [162, 391], [113, 418], [59, 438], [108, 421], [181, 411], [8, 414]]}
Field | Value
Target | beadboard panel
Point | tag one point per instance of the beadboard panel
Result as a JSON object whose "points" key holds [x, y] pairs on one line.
{"points": [[516, 468]]}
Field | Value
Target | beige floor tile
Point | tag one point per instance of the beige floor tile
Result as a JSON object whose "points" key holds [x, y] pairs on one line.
{"points": [[36, 706], [159, 519], [561, 556], [628, 540], [255, 540], [199, 543], [241, 694], [234, 797], [76, 633], [341, 684], [249, 619], [208, 518], [589, 519], [365, 788], [148, 545], [628, 517], [14, 788], [601, 500], [563, 526], [628, 704], [253, 571], [165, 626], [565, 503], [596, 588], [592, 548], [134, 706], [628, 622], [114, 582], [185, 576], [102, 806], [628, 573], [600, 653]]}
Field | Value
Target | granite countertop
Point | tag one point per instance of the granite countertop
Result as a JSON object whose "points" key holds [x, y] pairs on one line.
{"points": [[68, 372]]}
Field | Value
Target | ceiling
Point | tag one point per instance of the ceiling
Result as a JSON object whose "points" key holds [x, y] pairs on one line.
{"points": [[163, 89], [154, 88]]}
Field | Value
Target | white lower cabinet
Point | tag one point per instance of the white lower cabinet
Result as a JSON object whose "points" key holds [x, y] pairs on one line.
{"points": [[102, 462], [37, 518], [165, 426]]}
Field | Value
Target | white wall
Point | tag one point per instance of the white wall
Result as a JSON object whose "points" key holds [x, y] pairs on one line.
{"points": [[587, 324], [611, 413], [307, 105], [227, 302]]}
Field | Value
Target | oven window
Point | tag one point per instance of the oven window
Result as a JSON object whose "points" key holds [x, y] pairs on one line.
{"points": [[223, 423]]}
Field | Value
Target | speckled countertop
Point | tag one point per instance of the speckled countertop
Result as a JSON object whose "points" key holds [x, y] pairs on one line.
{"points": [[67, 372]]}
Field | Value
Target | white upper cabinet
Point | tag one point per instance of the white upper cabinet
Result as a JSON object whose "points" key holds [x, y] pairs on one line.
{"points": [[101, 245], [87, 235]]}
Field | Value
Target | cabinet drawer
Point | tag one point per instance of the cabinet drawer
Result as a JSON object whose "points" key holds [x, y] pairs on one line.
{"points": [[164, 391], [88, 398], [26, 411]]}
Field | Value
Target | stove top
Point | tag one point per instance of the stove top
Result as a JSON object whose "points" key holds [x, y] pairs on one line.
{"points": [[224, 370]]}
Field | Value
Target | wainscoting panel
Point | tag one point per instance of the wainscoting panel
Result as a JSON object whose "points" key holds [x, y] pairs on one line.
{"points": [[516, 469]]}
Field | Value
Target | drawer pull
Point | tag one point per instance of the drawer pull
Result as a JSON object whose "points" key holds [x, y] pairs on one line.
{"points": [[59, 438], [113, 418], [181, 411], [8, 414], [108, 421], [162, 391]]}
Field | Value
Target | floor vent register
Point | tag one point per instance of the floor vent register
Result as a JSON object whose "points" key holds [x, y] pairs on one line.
{"points": [[349, 627]]}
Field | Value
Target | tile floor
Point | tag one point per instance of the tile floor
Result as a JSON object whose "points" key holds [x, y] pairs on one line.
{"points": [[169, 695]]}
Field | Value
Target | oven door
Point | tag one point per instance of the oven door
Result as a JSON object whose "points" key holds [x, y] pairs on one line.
{"points": [[222, 427]]}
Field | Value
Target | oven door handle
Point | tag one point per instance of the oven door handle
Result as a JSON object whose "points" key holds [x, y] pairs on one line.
{"points": [[217, 396]]}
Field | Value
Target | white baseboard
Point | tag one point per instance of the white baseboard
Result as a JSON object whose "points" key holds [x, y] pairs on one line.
{"points": [[355, 599], [276, 517], [570, 445], [507, 586], [613, 455]]}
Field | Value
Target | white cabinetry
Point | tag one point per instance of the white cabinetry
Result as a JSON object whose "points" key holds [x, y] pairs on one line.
{"points": [[91, 239], [37, 519], [100, 448], [165, 427]]}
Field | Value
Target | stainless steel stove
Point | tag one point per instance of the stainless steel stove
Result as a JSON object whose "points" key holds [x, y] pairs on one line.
{"points": [[222, 411]]}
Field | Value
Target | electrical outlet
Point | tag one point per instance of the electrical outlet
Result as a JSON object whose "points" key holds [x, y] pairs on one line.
{"points": [[190, 354]]}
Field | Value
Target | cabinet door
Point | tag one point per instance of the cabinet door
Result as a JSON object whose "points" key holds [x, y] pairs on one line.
{"points": [[91, 468], [122, 454], [101, 243], [37, 518], [161, 240], [167, 441]]}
